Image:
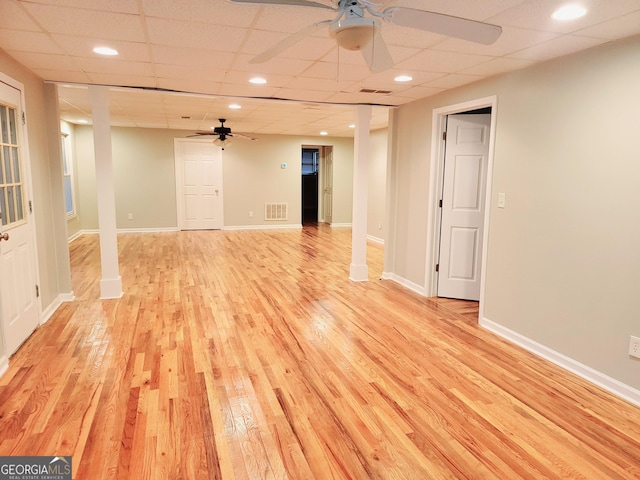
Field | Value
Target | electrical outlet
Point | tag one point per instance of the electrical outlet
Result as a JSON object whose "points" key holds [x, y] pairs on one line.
{"points": [[250, 213], [634, 346], [130, 216]]}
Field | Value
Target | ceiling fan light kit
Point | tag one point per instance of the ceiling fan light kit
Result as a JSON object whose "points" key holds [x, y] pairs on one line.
{"points": [[354, 33]]}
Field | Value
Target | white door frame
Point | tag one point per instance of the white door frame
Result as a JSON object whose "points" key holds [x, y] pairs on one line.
{"points": [[436, 174], [28, 196]]}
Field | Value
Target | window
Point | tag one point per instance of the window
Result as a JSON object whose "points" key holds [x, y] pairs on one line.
{"points": [[67, 172], [11, 183]]}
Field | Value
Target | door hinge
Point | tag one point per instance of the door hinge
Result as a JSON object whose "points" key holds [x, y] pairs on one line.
{"points": [[24, 119], [444, 136], [440, 203], [37, 291], [31, 206], [437, 267]]}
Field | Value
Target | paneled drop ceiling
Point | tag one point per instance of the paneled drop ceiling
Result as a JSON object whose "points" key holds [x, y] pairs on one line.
{"points": [[181, 63]]}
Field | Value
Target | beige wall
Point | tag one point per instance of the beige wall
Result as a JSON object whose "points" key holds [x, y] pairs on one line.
{"points": [[144, 178], [253, 176], [47, 184], [144, 173], [376, 225], [563, 265]]}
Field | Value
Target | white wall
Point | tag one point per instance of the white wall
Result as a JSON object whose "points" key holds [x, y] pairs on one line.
{"points": [[563, 265]]}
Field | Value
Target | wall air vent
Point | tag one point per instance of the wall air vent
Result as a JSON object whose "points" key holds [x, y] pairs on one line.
{"points": [[276, 211], [371, 90]]}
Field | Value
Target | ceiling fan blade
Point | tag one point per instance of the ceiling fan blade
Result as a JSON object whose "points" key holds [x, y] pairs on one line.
{"points": [[457, 27], [288, 42], [376, 54], [202, 134], [244, 135], [294, 3]]}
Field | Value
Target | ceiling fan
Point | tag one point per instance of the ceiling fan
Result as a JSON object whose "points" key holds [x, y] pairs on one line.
{"points": [[354, 30], [223, 133]]}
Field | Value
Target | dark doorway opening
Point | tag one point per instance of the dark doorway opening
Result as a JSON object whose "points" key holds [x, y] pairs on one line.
{"points": [[310, 162]]}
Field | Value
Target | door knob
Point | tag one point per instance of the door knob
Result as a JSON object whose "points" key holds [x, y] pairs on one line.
{"points": [[4, 236]]}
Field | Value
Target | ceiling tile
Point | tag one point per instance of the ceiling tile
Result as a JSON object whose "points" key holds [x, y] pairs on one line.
{"points": [[122, 6], [15, 17], [444, 62], [23, 41], [120, 79], [195, 35], [276, 65], [112, 65], [83, 47], [287, 19], [453, 81], [89, 23], [625, 26], [218, 12], [43, 61], [206, 73], [195, 57], [556, 48], [496, 66]]}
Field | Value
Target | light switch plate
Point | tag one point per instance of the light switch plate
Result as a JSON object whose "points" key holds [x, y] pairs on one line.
{"points": [[502, 200]]}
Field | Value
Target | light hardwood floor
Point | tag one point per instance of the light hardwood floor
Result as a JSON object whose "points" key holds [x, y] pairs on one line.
{"points": [[250, 355]]}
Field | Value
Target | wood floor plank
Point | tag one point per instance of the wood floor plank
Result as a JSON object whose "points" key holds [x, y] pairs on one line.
{"points": [[250, 355]]}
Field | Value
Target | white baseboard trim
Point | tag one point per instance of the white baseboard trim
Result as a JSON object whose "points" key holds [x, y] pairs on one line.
{"points": [[609, 384], [75, 236], [375, 239], [404, 282], [148, 230], [264, 227], [124, 230], [4, 365], [340, 225], [48, 312]]}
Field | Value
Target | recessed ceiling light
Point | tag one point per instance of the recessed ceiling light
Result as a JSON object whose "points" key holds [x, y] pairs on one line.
{"points": [[105, 51], [403, 78], [235, 106], [258, 81], [83, 121], [353, 125], [569, 12], [324, 133]]}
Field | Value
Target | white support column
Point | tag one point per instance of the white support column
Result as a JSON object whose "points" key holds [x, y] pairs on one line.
{"points": [[359, 271], [111, 282]]}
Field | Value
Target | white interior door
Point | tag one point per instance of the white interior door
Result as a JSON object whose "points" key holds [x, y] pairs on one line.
{"points": [[198, 184], [18, 291], [327, 191], [463, 198]]}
